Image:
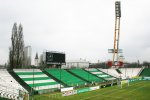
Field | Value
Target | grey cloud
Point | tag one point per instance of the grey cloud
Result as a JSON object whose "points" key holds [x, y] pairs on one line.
{"points": [[81, 28]]}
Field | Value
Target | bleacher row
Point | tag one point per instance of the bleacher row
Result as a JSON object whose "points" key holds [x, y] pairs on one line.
{"points": [[86, 75], [8, 92], [101, 74], [36, 79], [125, 72], [65, 77], [145, 72], [9, 87], [48, 79]]}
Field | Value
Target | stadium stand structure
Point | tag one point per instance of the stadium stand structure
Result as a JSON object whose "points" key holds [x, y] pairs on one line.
{"points": [[130, 72], [37, 80], [9, 87], [118, 70], [100, 74], [145, 72], [8, 92], [12, 82], [111, 71], [1, 98], [122, 73], [86, 75], [53, 77], [65, 77]]}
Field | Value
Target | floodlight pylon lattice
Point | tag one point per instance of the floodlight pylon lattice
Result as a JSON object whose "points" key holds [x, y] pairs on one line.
{"points": [[116, 50]]}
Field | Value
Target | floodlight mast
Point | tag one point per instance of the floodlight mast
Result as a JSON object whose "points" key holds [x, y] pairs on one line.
{"points": [[116, 60], [117, 32]]}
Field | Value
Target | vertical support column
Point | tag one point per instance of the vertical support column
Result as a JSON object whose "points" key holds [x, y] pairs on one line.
{"points": [[118, 33], [114, 49], [33, 86]]}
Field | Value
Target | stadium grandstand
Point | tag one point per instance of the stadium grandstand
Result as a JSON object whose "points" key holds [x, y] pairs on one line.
{"points": [[9, 87], [145, 72], [37, 81], [65, 77], [100, 74], [122, 72], [112, 71], [129, 72], [91, 78]]}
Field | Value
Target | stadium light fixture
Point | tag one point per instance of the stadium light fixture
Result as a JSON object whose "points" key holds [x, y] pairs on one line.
{"points": [[118, 9]]}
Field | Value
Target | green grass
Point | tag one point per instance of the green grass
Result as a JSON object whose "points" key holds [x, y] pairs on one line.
{"points": [[139, 90]]}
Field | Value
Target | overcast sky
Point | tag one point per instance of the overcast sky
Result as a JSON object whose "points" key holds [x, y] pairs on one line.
{"points": [[80, 28]]}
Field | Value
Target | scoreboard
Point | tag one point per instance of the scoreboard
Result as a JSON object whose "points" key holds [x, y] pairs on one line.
{"points": [[54, 57]]}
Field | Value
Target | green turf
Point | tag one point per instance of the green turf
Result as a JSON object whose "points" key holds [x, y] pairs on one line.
{"points": [[139, 90]]}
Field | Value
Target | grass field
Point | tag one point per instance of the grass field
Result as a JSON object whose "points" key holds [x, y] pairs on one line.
{"points": [[139, 90]]}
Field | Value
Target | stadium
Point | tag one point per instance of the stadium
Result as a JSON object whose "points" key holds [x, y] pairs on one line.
{"points": [[75, 83], [56, 79]]}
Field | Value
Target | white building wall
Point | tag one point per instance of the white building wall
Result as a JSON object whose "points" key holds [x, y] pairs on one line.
{"points": [[27, 54], [76, 64]]}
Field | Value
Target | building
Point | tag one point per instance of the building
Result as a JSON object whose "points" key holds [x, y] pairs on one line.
{"points": [[82, 63], [27, 56], [36, 60]]}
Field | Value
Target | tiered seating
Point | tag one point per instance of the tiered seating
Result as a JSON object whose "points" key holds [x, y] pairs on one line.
{"points": [[111, 71], [36, 79], [9, 87], [85, 75], [145, 72], [7, 78], [65, 77], [9, 92], [125, 72], [130, 72], [100, 74]]}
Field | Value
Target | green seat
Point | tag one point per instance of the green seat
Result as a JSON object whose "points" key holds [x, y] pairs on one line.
{"points": [[145, 72], [66, 77], [85, 75], [37, 79], [102, 74]]}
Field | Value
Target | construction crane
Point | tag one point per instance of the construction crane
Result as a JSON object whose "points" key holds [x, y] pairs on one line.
{"points": [[116, 59]]}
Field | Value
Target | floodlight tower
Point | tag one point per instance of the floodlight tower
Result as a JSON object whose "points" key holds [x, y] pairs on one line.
{"points": [[117, 31], [116, 50]]}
